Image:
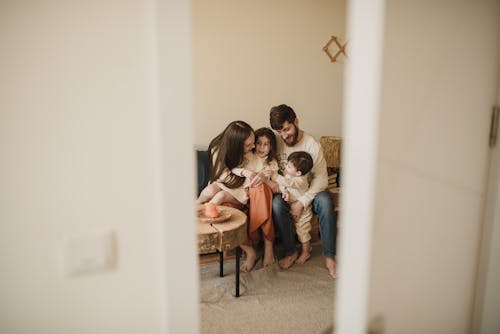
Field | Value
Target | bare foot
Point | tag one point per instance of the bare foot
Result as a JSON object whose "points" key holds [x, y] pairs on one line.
{"points": [[268, 253], [287, 261], [331, 266], [251, 259], [306, 254]]}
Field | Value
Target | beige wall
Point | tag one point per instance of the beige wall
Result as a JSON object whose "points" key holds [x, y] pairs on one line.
{"points": [[77, 156], [251, 55]]}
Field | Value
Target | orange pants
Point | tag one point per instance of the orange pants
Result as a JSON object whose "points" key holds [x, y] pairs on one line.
{"points": [[260, 218]]}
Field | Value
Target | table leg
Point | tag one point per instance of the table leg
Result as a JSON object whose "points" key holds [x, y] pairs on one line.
{"points": [[238, 254], [221, 264]]}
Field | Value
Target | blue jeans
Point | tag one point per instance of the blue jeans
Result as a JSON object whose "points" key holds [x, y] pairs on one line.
{"points": [[323, 206]]}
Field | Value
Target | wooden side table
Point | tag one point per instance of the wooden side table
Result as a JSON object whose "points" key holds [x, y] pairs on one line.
{"points": [[224, 236]]}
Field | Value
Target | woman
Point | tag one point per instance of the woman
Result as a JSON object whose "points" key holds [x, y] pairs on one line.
{"points": [[229, 154]]}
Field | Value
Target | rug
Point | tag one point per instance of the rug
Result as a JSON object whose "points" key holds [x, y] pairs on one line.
{"points": [[297, 300]]}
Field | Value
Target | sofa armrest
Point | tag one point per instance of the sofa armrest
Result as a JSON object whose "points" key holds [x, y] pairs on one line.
{"points": [[203, 169]]}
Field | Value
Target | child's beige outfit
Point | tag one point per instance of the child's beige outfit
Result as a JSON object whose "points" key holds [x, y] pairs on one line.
{"points": [[260, 216], [250, 162], [297, 186], [256, 164]]}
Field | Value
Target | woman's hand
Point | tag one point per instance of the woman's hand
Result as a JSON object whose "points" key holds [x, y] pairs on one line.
{"points": [[248, 174]]}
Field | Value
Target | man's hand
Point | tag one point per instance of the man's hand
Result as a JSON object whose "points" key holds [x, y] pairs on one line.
{"points": [[274, 186], [296, 209]]}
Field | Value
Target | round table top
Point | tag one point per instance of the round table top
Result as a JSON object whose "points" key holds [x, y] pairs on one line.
{"points": [[222, 236]]}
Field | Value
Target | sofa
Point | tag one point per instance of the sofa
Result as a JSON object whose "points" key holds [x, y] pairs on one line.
{"points": [[203, 169]]}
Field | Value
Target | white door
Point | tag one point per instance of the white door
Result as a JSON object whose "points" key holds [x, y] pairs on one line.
{"points": [[439, 82], [487, 302]]}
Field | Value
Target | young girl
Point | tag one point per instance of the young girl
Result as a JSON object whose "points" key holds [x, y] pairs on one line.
{"points": [[227, 152], [261, 166]]}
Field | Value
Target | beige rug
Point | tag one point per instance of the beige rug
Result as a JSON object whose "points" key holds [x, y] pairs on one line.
{"points": [[298, 300]]}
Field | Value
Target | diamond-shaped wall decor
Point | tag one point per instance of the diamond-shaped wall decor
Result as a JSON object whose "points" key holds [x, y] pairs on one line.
{"points": [[340, 48]]}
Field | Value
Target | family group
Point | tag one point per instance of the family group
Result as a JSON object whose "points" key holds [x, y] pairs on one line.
{"points": [[281, 177]]}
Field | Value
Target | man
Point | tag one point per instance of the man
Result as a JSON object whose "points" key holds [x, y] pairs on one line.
{"points": [[291, 139]]}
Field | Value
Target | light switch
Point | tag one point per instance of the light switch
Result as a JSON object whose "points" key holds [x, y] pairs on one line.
{"points": [[88, 253]]}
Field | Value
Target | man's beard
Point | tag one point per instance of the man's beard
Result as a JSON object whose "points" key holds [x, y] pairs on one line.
{"points": [[294, 138]]}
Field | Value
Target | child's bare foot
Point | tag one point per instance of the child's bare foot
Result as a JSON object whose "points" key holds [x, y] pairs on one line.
{"points": [[268, 259], [268, 253], [331, 266], [287, 261], [250, 260], [306, 253]]}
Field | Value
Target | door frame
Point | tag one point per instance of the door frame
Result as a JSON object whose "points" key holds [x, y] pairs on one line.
{"points": [[365, 30], [487, 294], [171, 24], [174, 149]]}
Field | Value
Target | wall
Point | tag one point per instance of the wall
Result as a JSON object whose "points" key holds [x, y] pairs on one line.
{"points": [[439, 83], [78, 156], [250, 56]]}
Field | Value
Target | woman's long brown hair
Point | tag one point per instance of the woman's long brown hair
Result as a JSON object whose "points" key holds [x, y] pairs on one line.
{"points": [[228, 150]]}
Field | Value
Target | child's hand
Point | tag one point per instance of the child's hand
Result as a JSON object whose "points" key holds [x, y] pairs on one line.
{"points": [[285, 195], [266, 172], [257, 180]]}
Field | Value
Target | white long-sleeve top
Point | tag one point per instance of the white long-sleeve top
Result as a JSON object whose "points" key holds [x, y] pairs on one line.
{"points": [[256, 164], [318, 176]]}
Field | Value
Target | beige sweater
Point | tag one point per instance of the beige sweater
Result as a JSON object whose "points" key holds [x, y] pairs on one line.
{"points": [[296, 185]]}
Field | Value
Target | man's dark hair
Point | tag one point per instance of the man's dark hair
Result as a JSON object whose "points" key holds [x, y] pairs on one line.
{"points": [[281, 114], [302, 161]]}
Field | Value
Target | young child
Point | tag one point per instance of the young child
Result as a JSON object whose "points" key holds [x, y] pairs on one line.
{"points": [[261, 161], [292, 186], [260, 165]]}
